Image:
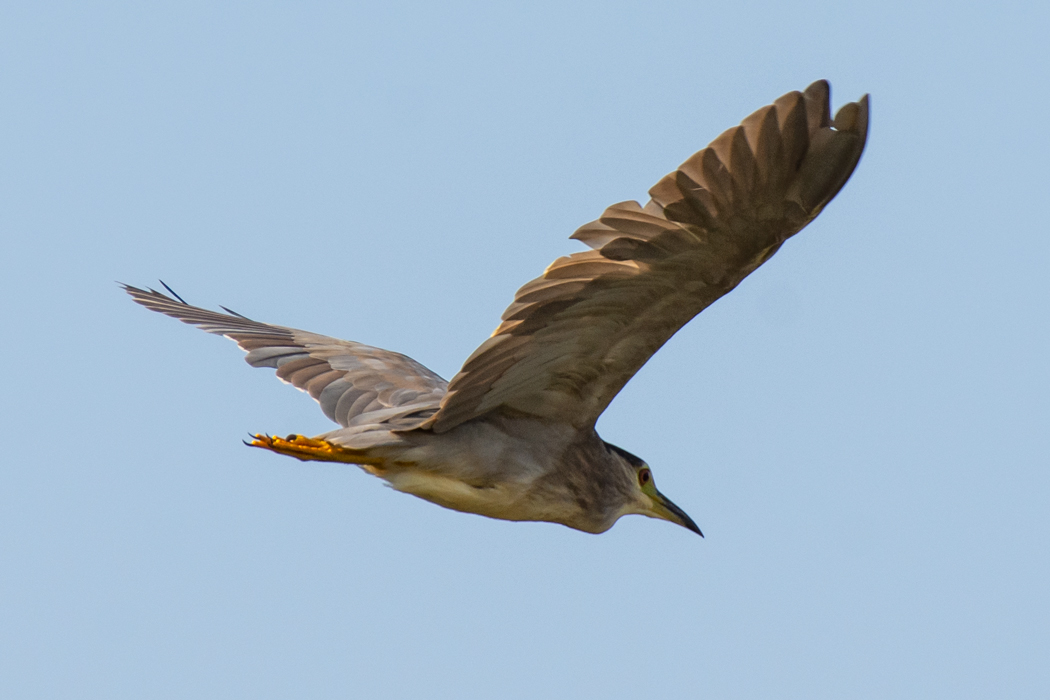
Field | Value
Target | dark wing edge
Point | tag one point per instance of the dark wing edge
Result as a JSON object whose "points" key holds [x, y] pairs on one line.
{"points": [[355, 384], [573, 337]]}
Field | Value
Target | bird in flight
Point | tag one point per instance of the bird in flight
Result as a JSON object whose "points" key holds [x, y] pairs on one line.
{"points": [[512, 436]]}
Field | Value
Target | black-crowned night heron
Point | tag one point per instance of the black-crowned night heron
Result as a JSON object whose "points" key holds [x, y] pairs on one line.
{"points": [[512, 435]]}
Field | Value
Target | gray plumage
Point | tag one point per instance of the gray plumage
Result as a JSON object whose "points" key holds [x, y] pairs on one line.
{"points": [[512, 435]]}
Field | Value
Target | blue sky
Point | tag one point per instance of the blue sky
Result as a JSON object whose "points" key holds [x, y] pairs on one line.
{"points": [[861, 428]]}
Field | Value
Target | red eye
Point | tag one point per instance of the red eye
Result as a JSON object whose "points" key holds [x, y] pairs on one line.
{"points": [[644, 477]]}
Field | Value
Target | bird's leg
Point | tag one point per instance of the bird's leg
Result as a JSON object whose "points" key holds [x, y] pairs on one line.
{"points": [[304, 448]]}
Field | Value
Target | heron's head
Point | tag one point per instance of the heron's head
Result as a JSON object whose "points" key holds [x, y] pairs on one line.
{"points": [[647, 500]]}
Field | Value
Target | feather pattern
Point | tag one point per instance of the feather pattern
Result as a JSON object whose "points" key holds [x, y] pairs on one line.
{"points": [[572, 338], [355, 384]]}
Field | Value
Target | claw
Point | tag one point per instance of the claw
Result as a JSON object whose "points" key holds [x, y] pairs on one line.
{"points": [[260, 440], [306, 449]]}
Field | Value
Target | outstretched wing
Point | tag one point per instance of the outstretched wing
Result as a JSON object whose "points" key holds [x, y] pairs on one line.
{"points": [[574, 337], [355, 384]]}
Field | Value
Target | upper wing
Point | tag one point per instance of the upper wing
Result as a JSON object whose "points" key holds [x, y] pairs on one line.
{"points": [[573, 337], [354, 383]]}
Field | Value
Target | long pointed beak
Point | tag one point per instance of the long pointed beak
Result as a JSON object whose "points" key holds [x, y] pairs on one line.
{"points": [[670, 512]]}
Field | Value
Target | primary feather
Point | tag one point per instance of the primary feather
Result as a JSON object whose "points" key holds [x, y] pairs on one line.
{"points": [[574, 336]]}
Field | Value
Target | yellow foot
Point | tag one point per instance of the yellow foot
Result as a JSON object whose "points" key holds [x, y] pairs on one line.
{"points": [[304, 448]]}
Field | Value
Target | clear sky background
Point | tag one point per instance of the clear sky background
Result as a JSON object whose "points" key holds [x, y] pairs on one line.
{"points": [[862, 428]]}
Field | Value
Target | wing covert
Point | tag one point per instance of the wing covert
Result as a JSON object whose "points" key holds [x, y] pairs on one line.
{"points": [[354, 383], [573, 337]]}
